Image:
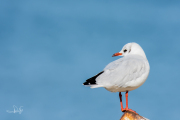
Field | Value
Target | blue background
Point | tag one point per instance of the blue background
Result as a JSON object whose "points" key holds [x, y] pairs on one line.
{"points": [[48, 48]]}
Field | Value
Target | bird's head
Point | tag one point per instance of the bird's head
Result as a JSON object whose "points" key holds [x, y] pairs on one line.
{"points": [[131, 49]]}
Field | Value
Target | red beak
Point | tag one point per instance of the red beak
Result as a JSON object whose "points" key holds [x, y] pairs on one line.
{"points": [[117, 54]]}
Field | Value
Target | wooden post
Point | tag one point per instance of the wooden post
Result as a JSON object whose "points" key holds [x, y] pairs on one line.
{"points": [[128, 115]]}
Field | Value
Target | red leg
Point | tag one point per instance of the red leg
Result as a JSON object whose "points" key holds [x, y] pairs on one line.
{"points": [[120, 96], [126, 100], [126, 108]]}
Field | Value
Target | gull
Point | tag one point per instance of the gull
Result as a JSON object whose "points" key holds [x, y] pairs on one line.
{"points": [[124, 74]]}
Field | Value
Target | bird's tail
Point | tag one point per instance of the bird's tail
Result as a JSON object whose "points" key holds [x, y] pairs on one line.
{"points": [[96, 86], [92, 81]]}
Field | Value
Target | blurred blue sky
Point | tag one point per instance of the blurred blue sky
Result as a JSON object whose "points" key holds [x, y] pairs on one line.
{"points": [[48, 48]]}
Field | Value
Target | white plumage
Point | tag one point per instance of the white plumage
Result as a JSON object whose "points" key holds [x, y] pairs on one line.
{"points": [[124, 74]]}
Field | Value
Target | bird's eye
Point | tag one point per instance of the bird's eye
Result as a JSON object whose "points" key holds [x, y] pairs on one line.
{"points": [[125, 50]]}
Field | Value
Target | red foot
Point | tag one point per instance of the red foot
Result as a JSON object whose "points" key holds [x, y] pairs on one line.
{"points": [[127, 109]]}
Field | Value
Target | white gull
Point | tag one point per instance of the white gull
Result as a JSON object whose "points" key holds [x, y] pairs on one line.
{"points": [[124, 74]]}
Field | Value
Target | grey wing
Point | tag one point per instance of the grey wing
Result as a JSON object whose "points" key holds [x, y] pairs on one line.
{"points": [[114, 64], [121, 71]]}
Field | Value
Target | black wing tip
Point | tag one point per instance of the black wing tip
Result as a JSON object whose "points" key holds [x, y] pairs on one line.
{"points": [[89, 83], [92, 81], [86, 83]]}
